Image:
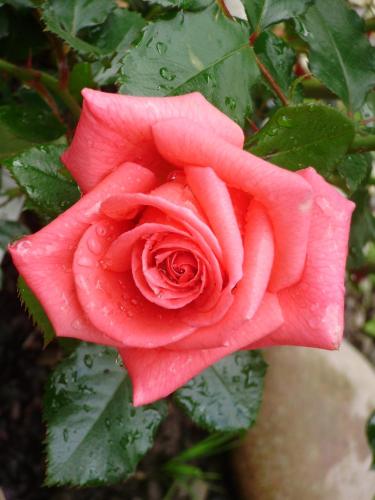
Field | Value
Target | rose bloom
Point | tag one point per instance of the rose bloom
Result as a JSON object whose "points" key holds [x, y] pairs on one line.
{"points": [[185, 248]]}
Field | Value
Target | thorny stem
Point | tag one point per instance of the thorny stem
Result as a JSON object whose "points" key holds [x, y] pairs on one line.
{"points": [[49, 81]]}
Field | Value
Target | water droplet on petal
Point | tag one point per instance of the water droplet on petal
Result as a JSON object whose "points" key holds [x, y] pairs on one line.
{"points": [[94, 246], [86, 261], [77, 324], [22, 247]]}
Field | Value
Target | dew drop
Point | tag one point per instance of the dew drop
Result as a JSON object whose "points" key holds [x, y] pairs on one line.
{"points": [[119, 361], [101, 231], [285, 121], [231, 103], [94, 246], [87, 359], [176, 176], [161, 47], [129, 314], [85, 261], [166, 74], [22, 247], [134, 302], [77, 324]]}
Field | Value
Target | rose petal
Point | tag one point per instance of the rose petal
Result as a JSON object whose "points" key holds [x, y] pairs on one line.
{"points": [[113, 303], [314, 308], [286, 196], [45, 258], [259, 252], [114, 128], [156, 373], [214, 198]]}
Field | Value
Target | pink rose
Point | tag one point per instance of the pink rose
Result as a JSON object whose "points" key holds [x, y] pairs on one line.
{"points": [[185, 248]]}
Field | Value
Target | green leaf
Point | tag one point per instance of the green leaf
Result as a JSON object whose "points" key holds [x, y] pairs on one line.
{"points": [[264, 13], [25, 125], [277, 57], [226, 396], [354, 169], [79, 78], [192, 5], [371, 436], [35, 311], [43, 178], [304, 135], [95, 436], [114, 38], [194, 52], [66, 18], [362, 229], [340, 54]]}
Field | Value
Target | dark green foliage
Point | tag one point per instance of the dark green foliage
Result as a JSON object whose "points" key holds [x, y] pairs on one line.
{"points": [[226, 396], [311, 135], [95, 435], [46, 182], [194, 52]]}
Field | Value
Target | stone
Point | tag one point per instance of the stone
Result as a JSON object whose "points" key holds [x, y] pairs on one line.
{"points": [[309, 441]]}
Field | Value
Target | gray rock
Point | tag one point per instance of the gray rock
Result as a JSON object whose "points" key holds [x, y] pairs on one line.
{"points": [[309, 442]]}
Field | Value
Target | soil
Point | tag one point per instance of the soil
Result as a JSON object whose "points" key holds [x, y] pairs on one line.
{"points": [[24, 368]]}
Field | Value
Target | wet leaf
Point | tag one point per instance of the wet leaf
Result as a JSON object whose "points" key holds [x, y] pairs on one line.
{"points": [[181, 4], [264, 13], [304, 136], [354, 169], [176, 56], [95, 436], [340, 54], [362, 229], [25, 125], [226, 396], [43, 178], [277, 57], [66, 18]]}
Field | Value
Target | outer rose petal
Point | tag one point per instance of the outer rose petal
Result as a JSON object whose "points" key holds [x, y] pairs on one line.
{"points": [[286, 196], [45, 258], [155, 373], [115, 128], [314, 308]]}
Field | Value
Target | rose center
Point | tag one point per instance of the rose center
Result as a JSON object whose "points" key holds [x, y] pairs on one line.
{"points": [[179, 267]]}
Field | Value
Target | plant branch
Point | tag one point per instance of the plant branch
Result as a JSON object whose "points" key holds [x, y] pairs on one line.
{"points": [[275, 87], [363, 143], [49, 81]]}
